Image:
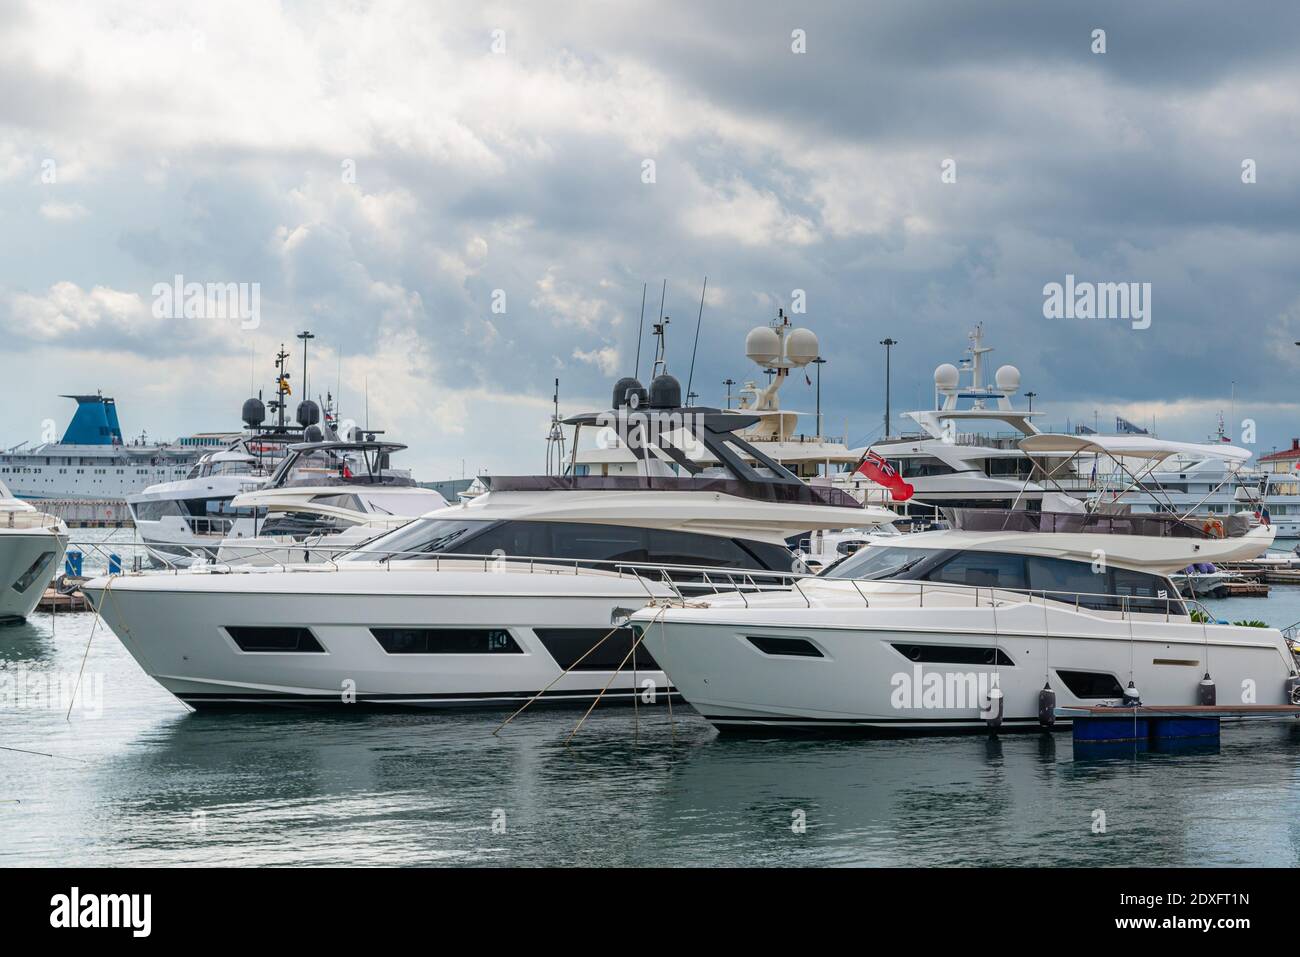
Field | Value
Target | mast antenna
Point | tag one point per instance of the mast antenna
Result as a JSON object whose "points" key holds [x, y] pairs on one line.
{"points": [[640, 332], [695, 348]]}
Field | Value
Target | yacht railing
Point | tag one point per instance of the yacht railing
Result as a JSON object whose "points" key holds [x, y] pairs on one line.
{"points": [[210, 526], [686, 583]]}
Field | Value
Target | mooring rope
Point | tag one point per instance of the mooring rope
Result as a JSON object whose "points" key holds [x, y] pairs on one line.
{"points": [[557, 679], [601, 694]]}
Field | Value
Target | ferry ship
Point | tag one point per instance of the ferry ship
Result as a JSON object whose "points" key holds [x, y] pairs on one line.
{"points": [[93, 461]]}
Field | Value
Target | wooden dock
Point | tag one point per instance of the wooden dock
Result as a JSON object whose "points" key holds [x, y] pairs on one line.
{"points": [[64, 595]]}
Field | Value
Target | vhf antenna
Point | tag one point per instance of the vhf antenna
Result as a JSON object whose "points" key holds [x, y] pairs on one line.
{"points": [[695, 348]]}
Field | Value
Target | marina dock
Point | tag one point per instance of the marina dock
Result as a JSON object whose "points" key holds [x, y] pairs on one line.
{"points": [[1151, 725]]}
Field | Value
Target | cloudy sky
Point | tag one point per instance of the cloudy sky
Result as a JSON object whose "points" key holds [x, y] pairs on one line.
{"points": [[388, 172]]}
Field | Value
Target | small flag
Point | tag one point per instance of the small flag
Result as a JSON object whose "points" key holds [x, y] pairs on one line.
{"points": [[882, 473]]}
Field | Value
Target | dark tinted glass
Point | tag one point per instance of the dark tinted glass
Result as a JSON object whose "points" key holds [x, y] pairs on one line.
{"points": [[25, 580], [981, 569], [1062, 579], [256, 638], [786, 647], [446, 641]]}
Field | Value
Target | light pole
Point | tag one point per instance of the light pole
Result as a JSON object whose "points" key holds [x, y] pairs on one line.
{"points": [[819, 362], [1030, 396], [889, 345], [304, 336], [730, 382]]}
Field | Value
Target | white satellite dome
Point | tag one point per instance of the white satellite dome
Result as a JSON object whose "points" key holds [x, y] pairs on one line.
{"points": [[763, 345], [1007, 378], [946, 376], [801, 346]]}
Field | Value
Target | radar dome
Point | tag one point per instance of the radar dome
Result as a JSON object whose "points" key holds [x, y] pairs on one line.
{"points": [[623, 387], [946, 376], [254, 413], [308, 413], [665, 393], [312, 434], [763, 345], [1007, 378], [801, 346]]}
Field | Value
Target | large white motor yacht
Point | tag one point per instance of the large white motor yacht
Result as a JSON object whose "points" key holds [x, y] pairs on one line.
{"points": [[924, 634], [31, 544], [187, 519], [519, 591]]}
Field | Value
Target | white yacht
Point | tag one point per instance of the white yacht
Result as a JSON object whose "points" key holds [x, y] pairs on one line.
{"points": [[1002, 617], [946, 464], [324, 499], [187, 519], [215, 513], [516, 592], [31, 544]]}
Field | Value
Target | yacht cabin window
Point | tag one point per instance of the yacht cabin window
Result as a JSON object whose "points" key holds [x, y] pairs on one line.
{"points": [[1112, 589], [573, 541]]}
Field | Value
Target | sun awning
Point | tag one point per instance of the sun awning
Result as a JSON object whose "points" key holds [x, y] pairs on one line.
{"points": [[1130, 446]]}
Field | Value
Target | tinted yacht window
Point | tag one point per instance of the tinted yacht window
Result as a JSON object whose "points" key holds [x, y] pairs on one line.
{"points": [[981, 569], [682, 548], [1063, 579], [1148, 593], [570, 541]]}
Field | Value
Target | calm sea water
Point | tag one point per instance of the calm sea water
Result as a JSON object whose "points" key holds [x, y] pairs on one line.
{"points": [[132, 778]]}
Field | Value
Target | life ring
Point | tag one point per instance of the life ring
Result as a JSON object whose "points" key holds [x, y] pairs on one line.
{"points": [[1212, 528]]}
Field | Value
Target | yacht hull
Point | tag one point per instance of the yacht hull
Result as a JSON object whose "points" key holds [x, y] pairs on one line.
{"points": [[177, 627], [857, 672], [29, 560]]}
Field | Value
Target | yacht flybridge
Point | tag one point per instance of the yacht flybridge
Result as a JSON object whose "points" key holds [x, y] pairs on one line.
{"points": [[518, 592], [995, 621], [778, 348], [31, 544]]}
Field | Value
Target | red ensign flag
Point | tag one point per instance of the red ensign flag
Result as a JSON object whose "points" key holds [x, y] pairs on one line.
{"points": [[882, 473]]}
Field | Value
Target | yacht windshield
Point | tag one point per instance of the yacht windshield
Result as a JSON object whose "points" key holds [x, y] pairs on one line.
{"points": [[424, 535], [887, 561]]}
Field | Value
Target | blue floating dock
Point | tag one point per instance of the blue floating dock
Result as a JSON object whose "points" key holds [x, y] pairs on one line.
{"points": [[1101, 724]]}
